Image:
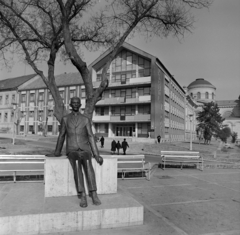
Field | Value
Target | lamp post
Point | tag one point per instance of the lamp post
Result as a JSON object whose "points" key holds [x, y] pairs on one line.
{"points": [[190, 117], [14, 108]]}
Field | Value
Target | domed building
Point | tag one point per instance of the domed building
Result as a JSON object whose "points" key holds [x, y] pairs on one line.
{"points": [[202, 90]]}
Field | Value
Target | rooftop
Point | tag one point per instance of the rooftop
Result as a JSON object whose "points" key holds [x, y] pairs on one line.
{"points": [[200, 82], [14, 83], [65, 79]]}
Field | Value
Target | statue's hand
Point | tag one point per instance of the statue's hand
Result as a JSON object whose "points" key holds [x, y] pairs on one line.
{"points": [[99, 160], [53, 155]]}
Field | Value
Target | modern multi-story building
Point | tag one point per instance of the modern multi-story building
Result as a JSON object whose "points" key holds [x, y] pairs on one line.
{"points": [[9, 100], [143, 99]]}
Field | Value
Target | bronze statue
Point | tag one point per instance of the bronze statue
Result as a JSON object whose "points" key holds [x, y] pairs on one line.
{"points": [[80, 146]]}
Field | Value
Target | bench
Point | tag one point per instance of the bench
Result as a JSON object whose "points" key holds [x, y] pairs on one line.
{"points": [[133, 164], [21, 165], [181, 157]]}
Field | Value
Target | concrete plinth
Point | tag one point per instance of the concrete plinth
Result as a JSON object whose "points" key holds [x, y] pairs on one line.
{"points": [[25, 210], [59, 180]]}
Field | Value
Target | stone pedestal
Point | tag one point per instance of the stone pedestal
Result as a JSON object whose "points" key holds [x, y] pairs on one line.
{"points": [[59, 180], [25, 211]]}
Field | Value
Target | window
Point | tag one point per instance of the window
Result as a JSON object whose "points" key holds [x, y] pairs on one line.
{"points": [[213, 96], [31, 128], [50, 113], [50, 97], [13, 98], [144, 91], [144, 67], [144, 109], [101, 111], [143, 128], [32, 97], [131, 93], [40, 96], [40, 115], [23, 98], [206, 95], [5, 117], [199, 95], [49, 128], [72, 93], [12, 116], [31, 114], [83, 93], [21, 128], [0, 100], [62, 94], [7, 99]]}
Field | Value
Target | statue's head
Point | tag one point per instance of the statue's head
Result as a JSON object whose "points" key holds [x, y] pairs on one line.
{"points": [[75, 103]]}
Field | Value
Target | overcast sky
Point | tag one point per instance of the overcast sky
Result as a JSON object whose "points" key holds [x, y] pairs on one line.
{"points": [[211, 51]]}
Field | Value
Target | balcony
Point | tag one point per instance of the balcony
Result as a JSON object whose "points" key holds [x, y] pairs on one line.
{"points": [[132, 81], [124, 100], [144, 98], [140, 80], [105, 118], [135, 118]]}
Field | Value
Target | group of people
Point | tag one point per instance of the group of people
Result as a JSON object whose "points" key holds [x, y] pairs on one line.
{"points": [[116, 146]]}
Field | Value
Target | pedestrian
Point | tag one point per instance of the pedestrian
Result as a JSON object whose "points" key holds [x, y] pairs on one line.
{"points": [[118, 147], [159, 139], [102, 142], [124, 146], [113, 147]]}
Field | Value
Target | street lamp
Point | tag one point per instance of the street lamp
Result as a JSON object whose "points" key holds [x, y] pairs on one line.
{"points": [[191, 118], [14, 108]]}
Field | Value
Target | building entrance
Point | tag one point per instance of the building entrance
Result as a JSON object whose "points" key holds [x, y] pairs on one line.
{"points": [[126, 130]]}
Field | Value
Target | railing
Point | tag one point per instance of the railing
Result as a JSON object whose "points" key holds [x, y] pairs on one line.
{"points": [[17, 165]]}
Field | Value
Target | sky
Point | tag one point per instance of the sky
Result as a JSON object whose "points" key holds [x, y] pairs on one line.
{"points": [[211, 51]]}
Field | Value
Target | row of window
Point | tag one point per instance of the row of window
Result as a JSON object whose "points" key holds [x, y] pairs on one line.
{"points": [[206, 95], [7, 99], [128, 92], [129, 110], [127, 65], [32, 96]]}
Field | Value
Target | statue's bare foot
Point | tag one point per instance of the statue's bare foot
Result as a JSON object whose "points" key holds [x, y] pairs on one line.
{"points": [[83, 200], [96, 201]]}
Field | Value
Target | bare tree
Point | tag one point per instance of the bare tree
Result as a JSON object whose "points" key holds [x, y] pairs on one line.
{"points": [[38, 29]]}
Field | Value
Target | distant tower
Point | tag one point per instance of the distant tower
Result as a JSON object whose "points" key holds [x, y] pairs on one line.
{"points": [[202, 90]]}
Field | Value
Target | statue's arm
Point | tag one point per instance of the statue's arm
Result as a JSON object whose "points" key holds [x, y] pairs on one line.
{"points": [[61, 138], [92, 142]]}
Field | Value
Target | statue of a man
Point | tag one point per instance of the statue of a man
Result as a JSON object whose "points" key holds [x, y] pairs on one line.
{"points": [[80, 146]]}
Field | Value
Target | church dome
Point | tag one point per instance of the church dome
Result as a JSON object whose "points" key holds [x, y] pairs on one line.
{"points": [[200, 83]]}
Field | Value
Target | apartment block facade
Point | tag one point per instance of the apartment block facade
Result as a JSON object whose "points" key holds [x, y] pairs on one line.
{"points": [[143, 99]]}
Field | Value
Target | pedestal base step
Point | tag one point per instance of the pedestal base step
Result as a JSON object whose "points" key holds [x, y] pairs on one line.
{"points": [[25, 210]]}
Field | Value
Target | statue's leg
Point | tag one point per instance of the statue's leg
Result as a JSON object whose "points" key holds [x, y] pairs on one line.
{"points": [[75, 162], [90, 178]]}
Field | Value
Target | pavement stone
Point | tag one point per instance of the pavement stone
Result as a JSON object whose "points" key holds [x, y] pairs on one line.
{"points": [[185, 202]]}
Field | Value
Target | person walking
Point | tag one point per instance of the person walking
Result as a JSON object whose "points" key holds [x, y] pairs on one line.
{"points": [[118, 146], [102, 142], [159, 139], [124, 146], [113, 147]]}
